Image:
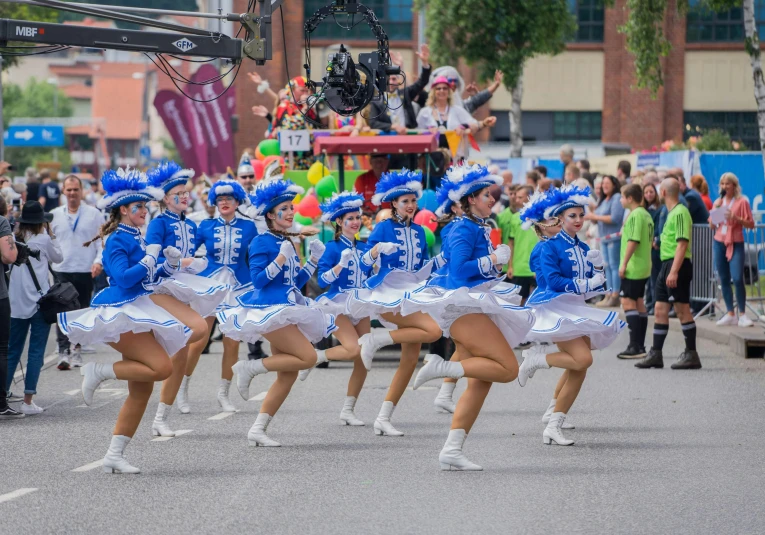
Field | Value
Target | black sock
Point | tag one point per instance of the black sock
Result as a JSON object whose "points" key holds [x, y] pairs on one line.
{"points": [[643, 328], [633, 323], [689, 331], [659, 335]]}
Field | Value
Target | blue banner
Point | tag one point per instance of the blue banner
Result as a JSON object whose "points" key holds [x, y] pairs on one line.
{"points": [[34, 136], [746, 166]]}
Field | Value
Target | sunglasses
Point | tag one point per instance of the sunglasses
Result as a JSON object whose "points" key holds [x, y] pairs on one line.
{"points": [[247, 176], [442, 88]]}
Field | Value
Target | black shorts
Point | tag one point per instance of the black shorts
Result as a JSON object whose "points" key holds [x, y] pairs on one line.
{"points": [[679, 294], [526, 284], [633, 288]]}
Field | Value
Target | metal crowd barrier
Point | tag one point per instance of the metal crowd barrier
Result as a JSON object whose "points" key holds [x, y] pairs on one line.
{"points": [[704, 287], [754, 262]]}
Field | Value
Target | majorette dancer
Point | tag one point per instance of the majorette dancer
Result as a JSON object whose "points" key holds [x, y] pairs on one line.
{"points": [[275, 309], [144, 327], [568, 273]]}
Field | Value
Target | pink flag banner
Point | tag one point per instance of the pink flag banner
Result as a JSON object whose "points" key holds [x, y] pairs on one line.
{"points": [[215, 118], [171, 108]]}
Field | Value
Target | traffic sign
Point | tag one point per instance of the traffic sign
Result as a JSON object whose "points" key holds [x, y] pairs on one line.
{"points": [[34, 136]]}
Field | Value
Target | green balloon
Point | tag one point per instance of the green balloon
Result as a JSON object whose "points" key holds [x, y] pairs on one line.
{"points": [[326, 186], [326, 234], [430, 238], [303, 220], [269, 147]]}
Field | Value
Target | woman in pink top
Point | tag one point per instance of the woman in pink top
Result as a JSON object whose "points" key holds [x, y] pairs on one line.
{"points": [[729, 250]]}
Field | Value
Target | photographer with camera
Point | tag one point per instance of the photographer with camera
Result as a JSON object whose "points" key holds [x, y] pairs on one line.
{"points": [[8, 255], [30, 282]]}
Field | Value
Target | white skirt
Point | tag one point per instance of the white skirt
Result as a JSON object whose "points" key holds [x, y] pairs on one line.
{"points": [[500, 305], [224, 276], [250, 324], [203, 295], [107, 323], [337, 306], [387, 297], [568, 317]]}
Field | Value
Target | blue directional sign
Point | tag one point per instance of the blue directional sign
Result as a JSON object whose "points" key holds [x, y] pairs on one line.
{"points": [[34, 136]]}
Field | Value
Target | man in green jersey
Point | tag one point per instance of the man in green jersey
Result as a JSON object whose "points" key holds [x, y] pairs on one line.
{"points": [[521, 244], [635, 268], [673, 286]]}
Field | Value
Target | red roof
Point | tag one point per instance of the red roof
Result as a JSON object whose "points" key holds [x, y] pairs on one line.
{"points": [[119, 100], [78, 91]]}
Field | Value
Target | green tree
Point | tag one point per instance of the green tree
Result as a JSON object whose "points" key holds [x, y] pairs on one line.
{"points": [[36, 99], [646, 41], [22, 12], [498, 34]]}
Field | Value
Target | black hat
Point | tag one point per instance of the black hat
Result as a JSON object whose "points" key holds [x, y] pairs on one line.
{"points": [[32, 213]]}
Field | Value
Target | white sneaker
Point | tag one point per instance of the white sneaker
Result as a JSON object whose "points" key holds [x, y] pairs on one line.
{"points": [[87, 349], [744, 321], [30, 409], [63, 361], [727, 319], [76, 358]]}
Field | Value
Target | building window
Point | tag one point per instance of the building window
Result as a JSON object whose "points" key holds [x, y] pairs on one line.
{"points": [[589, 18], [577, 125], [707, 26], [395, 16], [741, 125]]}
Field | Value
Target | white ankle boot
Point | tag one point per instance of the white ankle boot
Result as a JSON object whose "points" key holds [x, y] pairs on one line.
{"points": [[321, 358], [93, 375], [383, 426], [159, 427], [533, 359], [245, 371], [443, 401], [451, 456], [257, 435], [115, 462], [347, 416], [182, 399], [552, 433], [223, 400], [371, 343], [437, 368], [548, 413]]}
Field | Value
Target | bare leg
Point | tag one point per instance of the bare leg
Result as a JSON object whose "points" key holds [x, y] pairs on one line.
{"points": [[278, 392], [184, 313], [294, 351], [133, 409], [348, 337], [579, 350], [492, 359], [359, 375], [469, 404], [171, 385], [230, 357], [561, 382], [410, 353], [196, 348], [456, 357]]}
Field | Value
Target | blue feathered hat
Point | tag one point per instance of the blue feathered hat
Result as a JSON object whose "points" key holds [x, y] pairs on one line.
{"points": [[127, 185], [341, 204], [393, 185], [474, 178], [546, 204], [168, 175], [449, 183], [269, 193], [226, 187], [245, 166]]}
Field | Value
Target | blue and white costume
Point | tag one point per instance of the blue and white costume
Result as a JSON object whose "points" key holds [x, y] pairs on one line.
{"points": [[170, 229], [563, 276], [226, 245], [470, 282], [404, 269], [275, 300], [359, 260], [133, 273]]}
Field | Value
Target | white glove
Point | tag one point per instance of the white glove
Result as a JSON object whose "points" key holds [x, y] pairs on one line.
{"points": [[153, 250], [503, 254], [316, 249], [387, 248], [595, 258], [287, 249], [197, 265], [173, 256], [346, 258], [590, 285], [597, 280]]}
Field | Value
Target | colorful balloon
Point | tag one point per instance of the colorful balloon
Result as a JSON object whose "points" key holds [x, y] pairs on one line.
{"points": [[316, 172], [426, 218], [303, 220], [259, 167], [269, 159], [259, 155], [428, 200], [308, 207], [269, 147], [326, 187], [430, 238]]}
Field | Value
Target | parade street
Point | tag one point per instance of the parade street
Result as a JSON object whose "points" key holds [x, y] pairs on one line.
{"points": [[657, 451]]}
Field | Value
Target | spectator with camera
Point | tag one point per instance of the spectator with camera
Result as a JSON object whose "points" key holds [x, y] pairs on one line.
{"points": [[29, 282], [74, 224], [8, 255]]}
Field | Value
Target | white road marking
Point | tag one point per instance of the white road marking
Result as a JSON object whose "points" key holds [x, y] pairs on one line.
{"points": [[47, 360], [177, 434], [89, 466], [259, 397], [18, 493], [72, 392], [221, 415]]}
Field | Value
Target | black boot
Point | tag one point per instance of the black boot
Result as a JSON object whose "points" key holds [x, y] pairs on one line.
{"points": [[632, 352], [653, 360], [689, 360]]}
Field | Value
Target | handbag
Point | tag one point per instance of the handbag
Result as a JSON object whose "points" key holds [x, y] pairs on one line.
{"points": [[61, 297]]}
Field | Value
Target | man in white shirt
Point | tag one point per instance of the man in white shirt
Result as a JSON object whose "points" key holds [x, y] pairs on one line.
{"points": [[74, 224]]}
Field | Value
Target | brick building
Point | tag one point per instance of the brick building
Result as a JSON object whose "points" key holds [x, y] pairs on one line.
{"points": [[584, 94]]}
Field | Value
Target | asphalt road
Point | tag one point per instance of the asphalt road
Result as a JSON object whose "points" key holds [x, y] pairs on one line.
{"points": [[658, 451]]}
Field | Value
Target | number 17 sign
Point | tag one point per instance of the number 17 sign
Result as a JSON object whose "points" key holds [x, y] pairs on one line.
{"points": [[294, 141]]}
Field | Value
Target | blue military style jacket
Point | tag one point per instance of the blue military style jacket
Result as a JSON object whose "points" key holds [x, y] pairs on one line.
{"points": [[468, 263], [412, 256], [227, 245], [350, 277], [170, 228]]}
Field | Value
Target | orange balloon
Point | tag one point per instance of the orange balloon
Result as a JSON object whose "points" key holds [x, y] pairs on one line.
{"points": [[259, 155], [269, 159]]}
